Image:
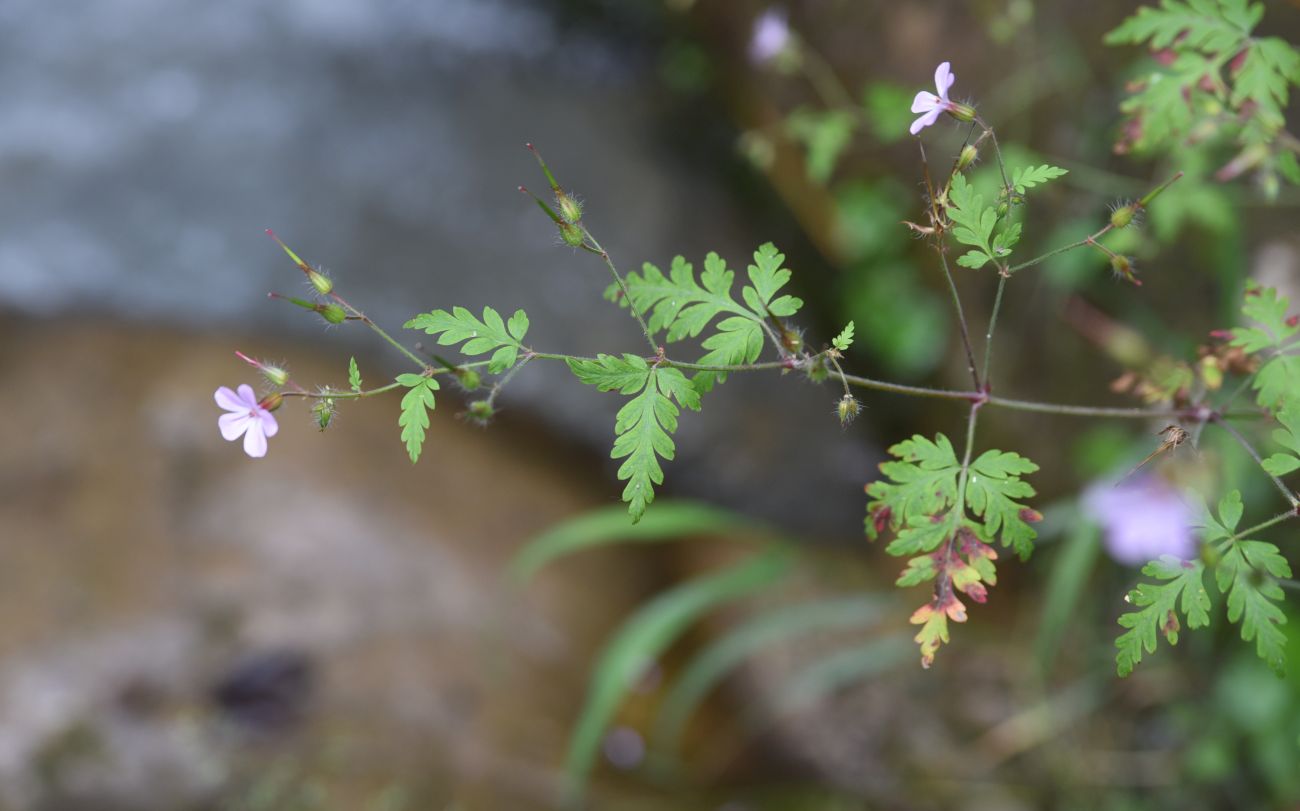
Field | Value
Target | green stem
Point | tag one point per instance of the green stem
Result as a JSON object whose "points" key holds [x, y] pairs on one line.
{"points": [[1259, 460], [618, 278], [961, 314], [993, 323], [365, 319], [1275, 520]]}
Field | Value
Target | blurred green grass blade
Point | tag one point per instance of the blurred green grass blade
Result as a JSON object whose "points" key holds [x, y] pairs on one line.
{"points": [[769, 627], [1073, 566], [644, 637], [666, 522], [825, 676]]}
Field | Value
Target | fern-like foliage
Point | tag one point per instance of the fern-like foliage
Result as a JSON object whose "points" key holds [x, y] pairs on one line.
{"points": [[1278, 378], [682, 306], [951, 543], [1210, 55], [644, 426], [1245, 573], [490, 334], [416, 405]]}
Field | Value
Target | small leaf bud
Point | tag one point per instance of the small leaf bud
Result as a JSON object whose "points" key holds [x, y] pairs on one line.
{"points": [[332, 313], [572, 235], [323, 284], [968, 155], [847, 409]]}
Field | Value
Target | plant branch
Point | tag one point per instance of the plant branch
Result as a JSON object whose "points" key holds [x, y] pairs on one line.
{"points": [[618, 278], [1259, 460]]}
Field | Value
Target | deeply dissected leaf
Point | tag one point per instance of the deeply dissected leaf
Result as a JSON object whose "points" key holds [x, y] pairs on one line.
{"points": [[1182, 588], [490, 334], [416, 405]]}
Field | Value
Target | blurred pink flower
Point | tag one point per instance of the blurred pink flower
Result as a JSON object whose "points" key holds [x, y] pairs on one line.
{"points": [[247, 418], [1141, 519], [771, 35], [930, 104]]}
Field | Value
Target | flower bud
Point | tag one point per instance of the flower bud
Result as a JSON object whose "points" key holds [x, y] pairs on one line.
{"points": [[469, 379], [481, 412], [271, 401], [321, 282], [323, 412], [570, 208], [968, 155], [275, 374], [961, 112], [847, 409], [572, 235], [332, 313], [791, 339], [1123, 268], [1123, 216]]}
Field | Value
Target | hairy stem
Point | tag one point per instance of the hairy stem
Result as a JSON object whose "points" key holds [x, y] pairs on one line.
{"points": [[618, 278], [1259, 460]]}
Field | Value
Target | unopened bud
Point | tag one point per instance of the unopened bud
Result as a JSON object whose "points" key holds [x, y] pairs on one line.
{"points": [[847, 409], [321, 282], [275, 374], [1123, 216], [469, 379], [961, 112], [572, 235], [968, 155], [271, 401], [1123, 268], [481, 412], [570, 208], [791, 339], [323, 412], [332, 313]]}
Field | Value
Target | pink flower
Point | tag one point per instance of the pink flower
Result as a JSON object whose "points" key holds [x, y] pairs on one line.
{"points": [[247, 418], [932, 105], [1142, 520], [770, 37]]}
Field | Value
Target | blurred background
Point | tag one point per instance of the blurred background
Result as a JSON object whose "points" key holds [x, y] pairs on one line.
{"points": [[330, 628]]}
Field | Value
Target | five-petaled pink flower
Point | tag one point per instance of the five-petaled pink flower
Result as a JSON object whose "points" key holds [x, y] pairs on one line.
{"points": [[247, 418], [932, 105]]}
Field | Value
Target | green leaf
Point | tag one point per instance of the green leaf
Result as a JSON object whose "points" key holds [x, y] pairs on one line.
{"points": [[739, 340], [644, 426], [825, 134], [973, 222], [1245, 573], [354, 375], [921, 483], [1031, 176], [769, 627], [1154, 609], [844, 340], [1288, 436], [767, 277], [993, 485], [668, 522], [1278, 379], [1209, 26], [490, 334], [416, 405], [643, 638]]}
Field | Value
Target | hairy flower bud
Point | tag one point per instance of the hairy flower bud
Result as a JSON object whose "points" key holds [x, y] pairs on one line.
{"points": [[1123, 268], [570, 208], [847, 409], [272, 401], [321, 282], [276, 375], [481, 412], [1123, 216], [323, 412], [332, 313], [572, 235], [469, 379], [968, 155]]}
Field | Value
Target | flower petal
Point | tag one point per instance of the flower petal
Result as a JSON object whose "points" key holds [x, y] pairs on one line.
{"points": [[925, 120], [943, 80], [924, 102], [269, 426], [233, 424], [228, 400], [247, 394], [255, 440]]}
